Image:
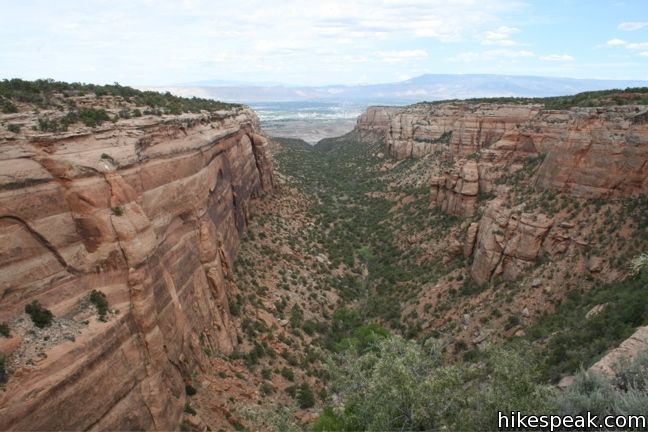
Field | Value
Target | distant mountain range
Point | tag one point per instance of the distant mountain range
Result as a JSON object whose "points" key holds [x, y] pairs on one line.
{"points": [[423, 88]]}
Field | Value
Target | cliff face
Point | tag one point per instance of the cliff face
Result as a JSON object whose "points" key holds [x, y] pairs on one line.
{"points": [[422, 129], [149, 212], [589, 151], [495, 159]]}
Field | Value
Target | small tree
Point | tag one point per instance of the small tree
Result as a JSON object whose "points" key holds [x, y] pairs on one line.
{"points": [[40, 316], [4, 330], [101, 303], [3, 372], [305, 396]]}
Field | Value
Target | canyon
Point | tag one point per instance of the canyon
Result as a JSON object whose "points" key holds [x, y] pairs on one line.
{"points": [[236, 267]]}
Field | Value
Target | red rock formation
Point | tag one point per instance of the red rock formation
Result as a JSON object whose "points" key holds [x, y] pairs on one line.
{"points": [[585, 152], [590, 152], [148, 211], [459, 127], [456, 192], [507, 241]]}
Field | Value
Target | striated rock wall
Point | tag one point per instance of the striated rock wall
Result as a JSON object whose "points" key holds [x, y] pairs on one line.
{"points": [[456, 192], [507, 241], [461, 128], [591, 152], [148, 211], [485, 151]]}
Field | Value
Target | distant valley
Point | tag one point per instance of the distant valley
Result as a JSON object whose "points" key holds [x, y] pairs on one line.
{"points": [[429, 87], [317, 112]]}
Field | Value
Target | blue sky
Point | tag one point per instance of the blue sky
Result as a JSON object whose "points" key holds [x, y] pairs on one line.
{"points": [[147, 42]]}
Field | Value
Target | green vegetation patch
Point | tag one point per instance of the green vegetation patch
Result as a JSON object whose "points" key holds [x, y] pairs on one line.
{"points": [[40, 316], [571, 341], [41, 93], [100, 301], [350, 200], [612, 97], [4, 330]]}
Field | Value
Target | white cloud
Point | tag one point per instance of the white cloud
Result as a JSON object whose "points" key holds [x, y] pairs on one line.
{"points": [[632, 46], [629, 45], [166, 41], [556, 57], [615, 42], [633, 25], [401, 56], [637, 46], [644, 53], [500, 36]]}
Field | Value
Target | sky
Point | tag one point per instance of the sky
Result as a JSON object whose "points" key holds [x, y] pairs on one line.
{"points": [[318, 42]]}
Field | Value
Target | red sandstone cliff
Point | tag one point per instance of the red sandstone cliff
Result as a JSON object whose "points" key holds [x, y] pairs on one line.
{"points": [[590, 151], [148, 211], [491, 152]]}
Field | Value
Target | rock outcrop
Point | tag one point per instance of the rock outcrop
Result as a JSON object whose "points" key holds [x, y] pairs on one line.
{"points": [[627, 351], [513, 152], [425, 128], [149, 212], [456, 192], [507, 241], [590, 152]]}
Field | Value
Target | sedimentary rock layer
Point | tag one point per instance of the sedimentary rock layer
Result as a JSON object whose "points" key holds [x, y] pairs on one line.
{"points": [[591, 152], [456, 192], [149, 212]]}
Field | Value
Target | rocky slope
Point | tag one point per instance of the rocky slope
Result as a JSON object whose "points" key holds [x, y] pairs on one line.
{"points": [[582, 152], [538, 203], [147, 210]]}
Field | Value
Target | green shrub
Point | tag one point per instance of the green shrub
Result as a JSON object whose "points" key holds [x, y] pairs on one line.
{"points": [[190, 390], [266, 389], [600, 395], [92, 117], [573, 342], [101, 303], [4, 377], [363, 338], [288, 374], [40, 316], [8, 107], [327, 422], [4, 329], [47, 125], [291, 391], [15, 128], [296, 316], [189, 410], [401, 385], [305, 396]]}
